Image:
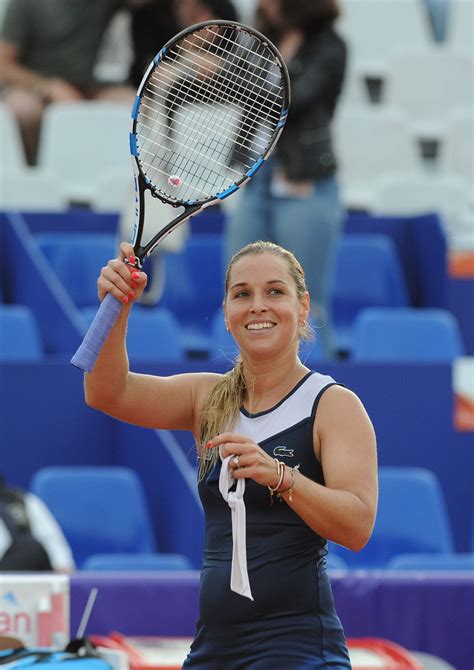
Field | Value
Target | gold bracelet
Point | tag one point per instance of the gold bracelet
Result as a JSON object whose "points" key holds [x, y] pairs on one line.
{"points": [[289, 489], [281, 473]]}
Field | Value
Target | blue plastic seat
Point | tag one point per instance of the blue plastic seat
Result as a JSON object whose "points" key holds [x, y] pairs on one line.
{"points": [[77, 259], [138, 562], [194, 288], [406, 334], [411, 518], [222, 345], [153, 334], [100, 509], [444, 562], [20, 339], [368, 273]]}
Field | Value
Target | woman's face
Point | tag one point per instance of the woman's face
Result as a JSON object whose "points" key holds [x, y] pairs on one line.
{"points": [[262, 308]]}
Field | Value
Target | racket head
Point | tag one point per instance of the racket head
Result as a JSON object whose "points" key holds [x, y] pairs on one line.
{"points": [[208, 112]]}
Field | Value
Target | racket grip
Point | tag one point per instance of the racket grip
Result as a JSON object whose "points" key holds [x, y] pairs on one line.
{"points": [[107, 314]]}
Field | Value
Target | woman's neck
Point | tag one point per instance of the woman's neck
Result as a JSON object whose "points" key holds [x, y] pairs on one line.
{"points": [[268, 383]]}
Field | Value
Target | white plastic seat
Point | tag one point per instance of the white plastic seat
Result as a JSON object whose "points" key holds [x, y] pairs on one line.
{"points": [[429, 84], [409, 195], [374, 29], [31, 190], [113, 190], [457, 147], [80, 140], [371, 141], [461, 24], [11, 146]]}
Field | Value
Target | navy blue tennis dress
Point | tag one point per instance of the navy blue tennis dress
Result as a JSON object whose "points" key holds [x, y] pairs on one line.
{"points": [[292, 623]]}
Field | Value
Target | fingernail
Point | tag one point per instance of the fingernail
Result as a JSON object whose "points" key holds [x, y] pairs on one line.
{"points": [[136, 276], [125, 299], [133, 285], [132, 259], [209, 444], [131, 295]]}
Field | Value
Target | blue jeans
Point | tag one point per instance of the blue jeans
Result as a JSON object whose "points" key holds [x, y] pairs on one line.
{"points": [[309, 226]]}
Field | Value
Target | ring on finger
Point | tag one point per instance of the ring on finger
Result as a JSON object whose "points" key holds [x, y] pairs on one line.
{"points": [[236, 461]]}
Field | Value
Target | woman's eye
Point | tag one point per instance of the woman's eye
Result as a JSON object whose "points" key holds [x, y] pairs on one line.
{"points": [[276, 291], [241, 294]]}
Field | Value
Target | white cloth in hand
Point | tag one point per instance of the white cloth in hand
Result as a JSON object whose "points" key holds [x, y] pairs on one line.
{"points": [[239, 578]]}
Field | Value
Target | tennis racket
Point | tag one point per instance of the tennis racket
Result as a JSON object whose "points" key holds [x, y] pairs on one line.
{"points": [[207, 114]]}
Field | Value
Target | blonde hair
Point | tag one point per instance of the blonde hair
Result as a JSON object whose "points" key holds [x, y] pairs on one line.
{"points": [[223, 404]]}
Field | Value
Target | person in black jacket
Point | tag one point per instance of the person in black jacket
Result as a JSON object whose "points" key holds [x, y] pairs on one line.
{"points": [[30, 537], [295, 201]]}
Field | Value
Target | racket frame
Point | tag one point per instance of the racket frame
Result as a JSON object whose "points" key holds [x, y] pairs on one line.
{"points": [[192, 207]]}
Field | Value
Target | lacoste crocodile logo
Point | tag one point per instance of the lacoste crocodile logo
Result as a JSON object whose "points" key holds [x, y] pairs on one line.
{"points": [[284, 451]]}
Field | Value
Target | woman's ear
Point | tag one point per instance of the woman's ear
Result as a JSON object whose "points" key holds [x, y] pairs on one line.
{"points": [[305, 305]]}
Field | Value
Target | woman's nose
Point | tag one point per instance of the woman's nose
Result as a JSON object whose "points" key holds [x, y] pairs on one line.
{"points": [[258, 303]]}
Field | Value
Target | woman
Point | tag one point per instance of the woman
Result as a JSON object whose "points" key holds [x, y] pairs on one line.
{"points": [[303, 446], [297, 202]]}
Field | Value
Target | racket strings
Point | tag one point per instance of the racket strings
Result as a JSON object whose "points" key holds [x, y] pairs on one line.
{"points": [[157, 88], [209, 110], [203, 96], [234, 81]]}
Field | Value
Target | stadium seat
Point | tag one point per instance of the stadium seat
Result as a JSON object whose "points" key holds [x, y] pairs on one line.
{"points": [[368, 273], [153, 334], [11, 145], [100, 509], [194, 288], [79, 140], [77, 259], [457, 146], [461, 24], [369, 28], [222, 344], [444, 562], [370, 141], [428, 84], [407, 194], [139, 562], [411, 518], [406, 334], [20, 339], [31, 189]]}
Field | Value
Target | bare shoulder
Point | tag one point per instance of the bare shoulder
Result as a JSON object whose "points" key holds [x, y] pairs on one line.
{"points": [[340, 405]]}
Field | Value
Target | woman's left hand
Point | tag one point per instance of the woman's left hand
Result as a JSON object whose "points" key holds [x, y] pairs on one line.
{"points": [[250, 461]]}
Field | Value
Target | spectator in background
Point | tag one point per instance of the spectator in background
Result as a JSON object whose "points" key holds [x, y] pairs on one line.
{"points": [[47, 54], [190, 12], [30, 537], [153, 24], [295, 201]]}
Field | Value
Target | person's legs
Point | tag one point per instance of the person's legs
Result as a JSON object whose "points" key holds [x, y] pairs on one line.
{"points": [[28, 110], [248, 215], [311, 227]]}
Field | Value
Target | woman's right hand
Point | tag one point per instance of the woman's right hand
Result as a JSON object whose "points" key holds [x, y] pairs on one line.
{"points": [[123, 281]]}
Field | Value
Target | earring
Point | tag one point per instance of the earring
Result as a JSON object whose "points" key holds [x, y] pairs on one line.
{"points": [[227, 328]]}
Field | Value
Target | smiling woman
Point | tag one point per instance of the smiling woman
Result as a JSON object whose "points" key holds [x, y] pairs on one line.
{"points": [[268, 429]]}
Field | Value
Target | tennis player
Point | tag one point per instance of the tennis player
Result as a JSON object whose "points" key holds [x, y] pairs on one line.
{"points": [[287, 461]]}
